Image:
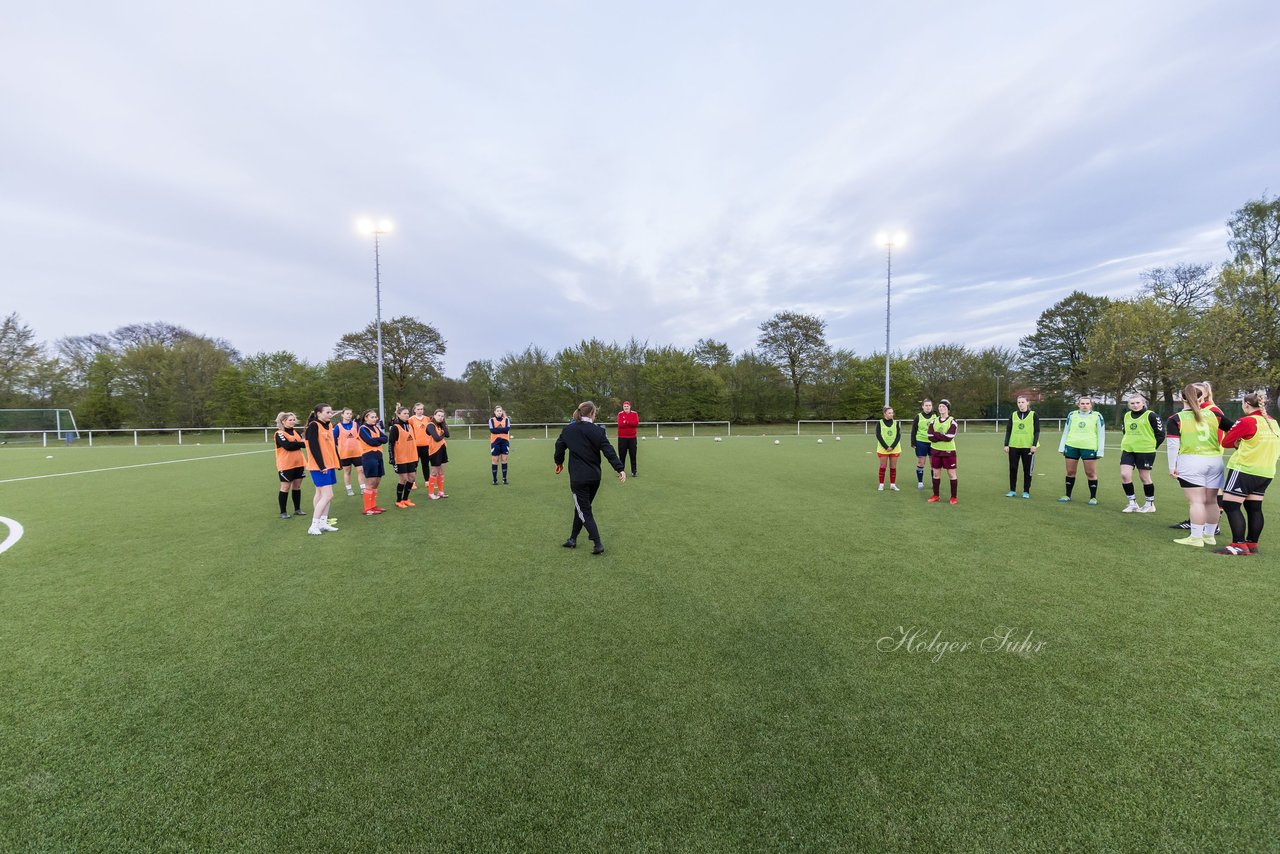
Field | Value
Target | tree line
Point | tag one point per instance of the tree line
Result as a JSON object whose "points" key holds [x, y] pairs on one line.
{"points": [[1188, 321]]}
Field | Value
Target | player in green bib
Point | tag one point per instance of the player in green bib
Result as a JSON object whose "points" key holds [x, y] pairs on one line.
{"points": [[1143, 433], [1194, 443], [942, 450], [919, 438], [1256, 438], [1083, 438], [888, 437], [1021, 438]]}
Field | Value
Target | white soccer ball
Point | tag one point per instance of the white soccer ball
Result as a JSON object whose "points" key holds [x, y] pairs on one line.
{"points": [[837, 438], [819, 441], [49, 457], [777, 441], [676, 439], [717, 438]]}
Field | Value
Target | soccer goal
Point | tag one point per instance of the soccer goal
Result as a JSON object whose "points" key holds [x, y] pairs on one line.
{"points": [[37, 425]]}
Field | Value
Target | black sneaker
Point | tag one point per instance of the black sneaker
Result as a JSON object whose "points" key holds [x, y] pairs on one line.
{"points": [[285, 516], [570, 544], [299, 512], [495, 483], [1182, 526], [633, 474], [598, 550], [504, 482]]}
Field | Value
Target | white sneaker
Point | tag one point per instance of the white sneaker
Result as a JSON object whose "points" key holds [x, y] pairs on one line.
{"points": [[919, 485], [351, 492], [1131, 507], [1149, 507], [314, 531], [894, 487], [325, 526], [880, 488]]}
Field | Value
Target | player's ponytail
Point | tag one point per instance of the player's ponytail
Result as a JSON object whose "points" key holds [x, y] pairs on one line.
{"points": [[586, 409], [315, 413], [1191, 395]]}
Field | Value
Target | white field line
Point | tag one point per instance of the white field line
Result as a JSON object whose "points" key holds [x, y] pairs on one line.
{"points": [[15, 533], [134, 466]]}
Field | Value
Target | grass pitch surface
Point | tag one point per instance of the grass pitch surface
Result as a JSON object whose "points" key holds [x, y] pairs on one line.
{"points": [[184, 670]]}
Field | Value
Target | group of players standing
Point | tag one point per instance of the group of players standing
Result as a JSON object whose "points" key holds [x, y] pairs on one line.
{"points": [[1195, 439], [356, 445], [324, 447]]}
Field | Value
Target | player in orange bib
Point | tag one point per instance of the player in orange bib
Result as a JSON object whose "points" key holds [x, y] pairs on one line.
{"points": [[322, 460], [290, 462], [404, 456], [418, 424], [372, 438], [437, 437], [344, 434]]}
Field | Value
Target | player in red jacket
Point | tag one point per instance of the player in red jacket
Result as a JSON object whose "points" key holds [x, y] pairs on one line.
{"points": [[628, 421]]}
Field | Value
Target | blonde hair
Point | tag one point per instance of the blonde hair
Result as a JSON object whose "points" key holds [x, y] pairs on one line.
{"points": [[1192, 394], [281, 416], [1206, 392]]}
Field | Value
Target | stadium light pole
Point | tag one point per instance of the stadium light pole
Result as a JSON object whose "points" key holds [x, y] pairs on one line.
{"points": [[888, 241], [367, 226]]}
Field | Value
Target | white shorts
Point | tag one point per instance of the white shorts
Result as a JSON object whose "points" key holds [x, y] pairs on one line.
{"points": [[1201, 471]]}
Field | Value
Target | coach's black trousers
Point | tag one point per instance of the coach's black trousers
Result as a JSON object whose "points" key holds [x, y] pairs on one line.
{"points": [[627, 446], [584, 492], [1027, 459]]}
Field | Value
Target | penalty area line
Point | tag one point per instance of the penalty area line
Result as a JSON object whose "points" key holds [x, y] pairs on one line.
{"points": [[134, 466], [15, 533]]}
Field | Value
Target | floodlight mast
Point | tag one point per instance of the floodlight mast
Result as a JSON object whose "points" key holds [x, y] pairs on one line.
{"points": [[368, 226]]}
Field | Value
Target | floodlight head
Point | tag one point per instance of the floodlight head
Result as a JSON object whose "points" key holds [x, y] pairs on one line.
{"points": [[891, 238], [367, 225]]}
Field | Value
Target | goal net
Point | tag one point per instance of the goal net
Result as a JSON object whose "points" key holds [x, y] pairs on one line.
{"points": [[27, 425]]}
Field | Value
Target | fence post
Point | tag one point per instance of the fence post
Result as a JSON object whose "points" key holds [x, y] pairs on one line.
{"points": [[135, 438], [729, 425], [179, 437], [44, 439], [695, 429], [224, 435], [90, 438]]}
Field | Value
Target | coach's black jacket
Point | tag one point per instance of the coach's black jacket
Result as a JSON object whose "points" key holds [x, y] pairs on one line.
{"points": [[585, 442]]}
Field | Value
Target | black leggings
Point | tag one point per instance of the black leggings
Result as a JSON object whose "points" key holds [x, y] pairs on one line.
{"points": [[1028, 461], [626, 446], [584, 492]]}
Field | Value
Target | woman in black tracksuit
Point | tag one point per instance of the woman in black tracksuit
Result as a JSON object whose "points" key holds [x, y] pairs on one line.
{"points": [[585, 441]]}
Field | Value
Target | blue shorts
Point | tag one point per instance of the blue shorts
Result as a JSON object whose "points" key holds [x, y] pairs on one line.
{"points": [[372, 465], [923, 449], [1079, 453], [498, 447], [327, 477]]}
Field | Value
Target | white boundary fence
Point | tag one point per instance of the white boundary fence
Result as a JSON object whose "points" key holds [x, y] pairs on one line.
{"points": [[246, 435], [984, 425]]}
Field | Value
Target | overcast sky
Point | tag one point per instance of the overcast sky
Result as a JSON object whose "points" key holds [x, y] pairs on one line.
{"points": [[669, 171]]}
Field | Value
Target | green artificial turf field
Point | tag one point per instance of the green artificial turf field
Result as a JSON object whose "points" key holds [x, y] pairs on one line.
{"points": [[182, 669]]}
